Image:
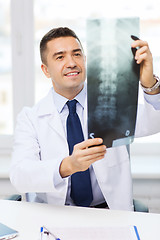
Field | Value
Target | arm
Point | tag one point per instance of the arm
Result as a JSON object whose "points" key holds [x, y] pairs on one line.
{"points": [[32, 169], [143, 57], [148, 115]]}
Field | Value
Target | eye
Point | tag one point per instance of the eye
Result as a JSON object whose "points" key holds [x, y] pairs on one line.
{"points": [[77, 54], [59, 57]]}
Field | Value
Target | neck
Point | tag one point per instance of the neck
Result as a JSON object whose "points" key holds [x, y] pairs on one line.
{"points": [[70, 93]]}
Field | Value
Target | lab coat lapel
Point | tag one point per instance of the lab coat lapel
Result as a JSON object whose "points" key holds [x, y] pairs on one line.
{"points": [[48, 110], [56, 124]]}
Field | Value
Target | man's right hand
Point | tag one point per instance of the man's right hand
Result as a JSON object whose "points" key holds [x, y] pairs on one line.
{"points": [[84, 154]]}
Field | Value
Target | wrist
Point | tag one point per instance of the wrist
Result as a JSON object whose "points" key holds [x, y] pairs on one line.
{"points": [[155, 88], [65, 168]]}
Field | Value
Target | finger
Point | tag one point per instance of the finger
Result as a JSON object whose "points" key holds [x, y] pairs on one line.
{"points": [[141, 51], [88, 143], [138, 52], [84, 163], [86, 154], [139, 43], [94, 150], [93, 157], [88, 161], [141, 58]]}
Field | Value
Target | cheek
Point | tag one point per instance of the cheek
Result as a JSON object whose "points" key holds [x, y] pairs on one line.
{"points": [[55, 70], [84, 69], [82, 65]]}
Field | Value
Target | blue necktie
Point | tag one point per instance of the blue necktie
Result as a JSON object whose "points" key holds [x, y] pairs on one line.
{"points": [[81, 190]]}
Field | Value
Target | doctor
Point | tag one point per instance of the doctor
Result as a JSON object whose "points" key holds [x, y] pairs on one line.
{"points": [[41, 161]]}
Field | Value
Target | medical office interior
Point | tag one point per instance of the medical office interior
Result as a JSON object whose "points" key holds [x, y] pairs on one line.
{"points": [[22, 83]]}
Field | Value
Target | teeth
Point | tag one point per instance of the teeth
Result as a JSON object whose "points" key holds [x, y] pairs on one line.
{"points": [[71, 74]]}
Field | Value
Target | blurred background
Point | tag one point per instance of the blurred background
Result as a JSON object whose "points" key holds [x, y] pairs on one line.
{"points": [[22, 83]]}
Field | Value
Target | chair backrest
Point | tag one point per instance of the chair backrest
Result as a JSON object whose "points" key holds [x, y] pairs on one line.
{"points": [[30, 197]]}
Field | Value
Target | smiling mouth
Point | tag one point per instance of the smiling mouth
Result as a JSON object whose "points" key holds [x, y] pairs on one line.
{"points": [[72, 74]]}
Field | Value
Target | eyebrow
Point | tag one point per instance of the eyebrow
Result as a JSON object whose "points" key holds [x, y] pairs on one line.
{"points": [[63, 52], [77, 50]]}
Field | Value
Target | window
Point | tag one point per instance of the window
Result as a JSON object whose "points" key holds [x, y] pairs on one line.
{"points": [[6, 119], [16, 86], [22, 82], [48, 14]]}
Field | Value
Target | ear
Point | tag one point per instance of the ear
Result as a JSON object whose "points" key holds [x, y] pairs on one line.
{"points": [[45, 70]]}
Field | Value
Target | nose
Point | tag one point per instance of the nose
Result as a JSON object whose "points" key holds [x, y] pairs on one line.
{"points": [[70, 62]]}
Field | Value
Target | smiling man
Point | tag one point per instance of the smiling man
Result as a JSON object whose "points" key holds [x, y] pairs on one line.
{"points": [[52, 155], [65, 65]]}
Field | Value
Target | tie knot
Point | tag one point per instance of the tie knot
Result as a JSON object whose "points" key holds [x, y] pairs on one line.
{"points": [[72, 106]]}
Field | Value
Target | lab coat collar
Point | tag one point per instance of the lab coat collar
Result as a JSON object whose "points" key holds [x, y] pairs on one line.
{"points": [[46, 105]]}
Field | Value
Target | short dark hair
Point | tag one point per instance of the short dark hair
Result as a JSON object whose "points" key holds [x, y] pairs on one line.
{"points": [[52, 34]]}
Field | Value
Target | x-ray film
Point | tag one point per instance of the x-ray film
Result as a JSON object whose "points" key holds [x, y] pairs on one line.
{"points": [[113, 80]]}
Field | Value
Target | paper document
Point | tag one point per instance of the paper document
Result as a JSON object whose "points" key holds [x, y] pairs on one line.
{"points": [[95, 233]]}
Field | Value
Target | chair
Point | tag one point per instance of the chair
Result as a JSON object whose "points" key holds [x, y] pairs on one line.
{"points": [[15, 197], [139, 206], [29, 197]]}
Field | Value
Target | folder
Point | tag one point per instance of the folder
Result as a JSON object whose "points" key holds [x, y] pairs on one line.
{"points": [[7, 232]]}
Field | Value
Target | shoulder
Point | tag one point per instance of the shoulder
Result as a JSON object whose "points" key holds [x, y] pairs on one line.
{"points": [[44, 107]]}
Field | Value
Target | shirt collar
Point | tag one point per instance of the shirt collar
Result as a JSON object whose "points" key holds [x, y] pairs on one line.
{"points": [[60, 101]]}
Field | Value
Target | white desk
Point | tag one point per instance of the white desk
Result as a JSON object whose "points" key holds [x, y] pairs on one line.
{"points": [[27, 218]]}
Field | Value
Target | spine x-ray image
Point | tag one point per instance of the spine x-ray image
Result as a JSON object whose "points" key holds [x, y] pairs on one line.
{"points": [[113, 80]]}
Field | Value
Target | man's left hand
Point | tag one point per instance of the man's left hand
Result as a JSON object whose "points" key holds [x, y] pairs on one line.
{"points": [[143, 57]]}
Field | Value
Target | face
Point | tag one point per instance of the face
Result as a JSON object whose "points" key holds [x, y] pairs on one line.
{"points": [[65, 66]]}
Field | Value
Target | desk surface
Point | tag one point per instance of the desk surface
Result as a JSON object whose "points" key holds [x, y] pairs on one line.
{"points": [[27, 218]]}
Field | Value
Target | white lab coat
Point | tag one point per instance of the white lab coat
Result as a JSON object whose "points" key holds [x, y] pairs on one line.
{"points": [[40, 146]]}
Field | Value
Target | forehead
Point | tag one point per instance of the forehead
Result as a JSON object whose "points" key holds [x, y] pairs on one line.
{"points": [[63, 44]]}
